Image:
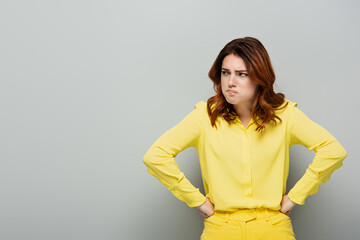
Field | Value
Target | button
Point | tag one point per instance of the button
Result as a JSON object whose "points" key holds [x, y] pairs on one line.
{"points": [[172, 190]]}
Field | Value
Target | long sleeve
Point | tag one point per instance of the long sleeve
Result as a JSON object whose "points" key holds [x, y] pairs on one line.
{"points": [[329, 154], [160, 158]]}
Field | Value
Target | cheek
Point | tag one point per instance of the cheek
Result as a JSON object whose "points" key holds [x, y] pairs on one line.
{"points": [[223, 85], [246, 85], [250, 85], [247, 88]]}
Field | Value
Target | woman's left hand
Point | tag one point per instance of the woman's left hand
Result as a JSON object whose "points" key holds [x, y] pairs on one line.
{"points": [[287, 205]]}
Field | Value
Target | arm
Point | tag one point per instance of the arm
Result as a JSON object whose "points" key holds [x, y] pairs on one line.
{"points": [[160, 158], [329, 154]]}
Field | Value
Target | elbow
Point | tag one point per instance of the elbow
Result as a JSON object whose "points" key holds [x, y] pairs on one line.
{"points": [[156, 157], [334, 151], [152, 157], [342, 153], [147, 158]]}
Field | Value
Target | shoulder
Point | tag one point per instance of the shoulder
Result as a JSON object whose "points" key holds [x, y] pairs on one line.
{"points": [[295, 114], [200, 106], [293, 107], [286, 107], [286, 110], [291, 104]]}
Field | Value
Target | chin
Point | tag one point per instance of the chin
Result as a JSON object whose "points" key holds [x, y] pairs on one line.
{"points": [[231, 101]]}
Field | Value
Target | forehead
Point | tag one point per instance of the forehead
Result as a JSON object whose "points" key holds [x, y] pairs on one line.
{"points": [[232, 61]]}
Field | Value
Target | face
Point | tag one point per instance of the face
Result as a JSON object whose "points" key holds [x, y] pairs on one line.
{"points": [[236, 85]]}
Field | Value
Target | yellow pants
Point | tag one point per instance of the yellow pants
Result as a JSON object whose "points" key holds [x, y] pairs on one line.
{"points": [[248, 224]]}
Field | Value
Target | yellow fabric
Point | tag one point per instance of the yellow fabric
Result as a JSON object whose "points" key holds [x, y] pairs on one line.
{"points": [[244, 168], [248, 224]]}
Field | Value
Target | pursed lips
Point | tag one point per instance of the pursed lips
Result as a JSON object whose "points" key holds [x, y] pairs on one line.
{"points": [[232, 91]]}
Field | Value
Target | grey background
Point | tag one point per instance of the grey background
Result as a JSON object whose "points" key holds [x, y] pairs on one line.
{"points": [[88, 86]]}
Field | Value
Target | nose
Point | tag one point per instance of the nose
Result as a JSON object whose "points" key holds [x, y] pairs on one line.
{"points": [[231, 80]]}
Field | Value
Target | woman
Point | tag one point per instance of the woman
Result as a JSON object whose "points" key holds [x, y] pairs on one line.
{"points": [[243, 135]]}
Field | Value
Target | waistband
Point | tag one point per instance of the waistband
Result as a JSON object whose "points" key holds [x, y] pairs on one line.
{"points": [[246, 214]]}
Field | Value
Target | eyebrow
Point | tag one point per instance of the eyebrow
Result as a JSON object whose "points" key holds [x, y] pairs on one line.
{"points": [[235, 70]]}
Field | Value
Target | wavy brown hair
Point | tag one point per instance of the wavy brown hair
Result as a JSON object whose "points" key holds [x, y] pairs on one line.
{"points": [[260, 70]]}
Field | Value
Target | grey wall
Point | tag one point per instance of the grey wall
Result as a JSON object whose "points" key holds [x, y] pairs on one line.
{"points": [[88, 86]]}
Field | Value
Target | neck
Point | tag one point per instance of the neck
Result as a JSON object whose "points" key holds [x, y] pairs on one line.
{"points": [[244, 109]]}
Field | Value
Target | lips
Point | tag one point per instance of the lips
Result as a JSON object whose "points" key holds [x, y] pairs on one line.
{"points": [[231, 91]]}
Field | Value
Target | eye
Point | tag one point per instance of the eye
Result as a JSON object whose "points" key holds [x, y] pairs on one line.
{"points": [[223, 72], [245, 74]]}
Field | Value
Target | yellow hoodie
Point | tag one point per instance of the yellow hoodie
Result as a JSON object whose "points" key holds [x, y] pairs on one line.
{"points": [[244, 168]]}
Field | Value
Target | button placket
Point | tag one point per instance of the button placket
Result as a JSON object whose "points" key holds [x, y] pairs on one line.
{"points": [[247, 165], [246, 160]]}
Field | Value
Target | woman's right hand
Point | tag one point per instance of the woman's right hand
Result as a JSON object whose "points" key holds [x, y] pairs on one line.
{"points": [[207, 208]]}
